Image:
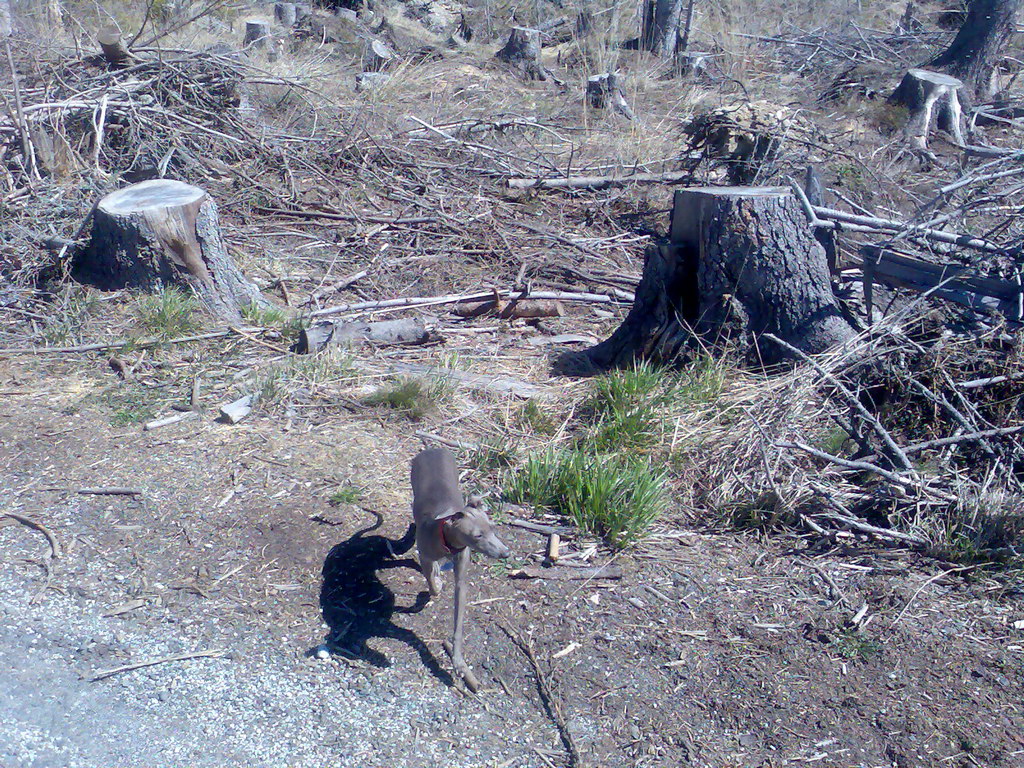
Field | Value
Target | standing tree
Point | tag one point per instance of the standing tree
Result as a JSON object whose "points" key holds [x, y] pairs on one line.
{"points": [[660, 30], [974, 53]]}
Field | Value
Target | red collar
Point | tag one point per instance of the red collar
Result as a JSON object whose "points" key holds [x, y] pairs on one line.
{"points": [[443, 521]]}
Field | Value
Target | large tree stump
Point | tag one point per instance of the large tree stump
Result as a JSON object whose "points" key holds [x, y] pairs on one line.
{"points": [[523, 52], [742, 262], [926, 95], [162, 233], [660, 31], [602, 89]]}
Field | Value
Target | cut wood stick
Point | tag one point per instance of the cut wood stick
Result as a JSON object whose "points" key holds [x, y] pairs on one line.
{"points": [[499, 384], [462, 298], [114, 491], [153, 662], [567, 574], [546, 530], [599, 182], [118, 343], [166, 421], [970, 436], [430, 437], [865, 527], [975, 383]]}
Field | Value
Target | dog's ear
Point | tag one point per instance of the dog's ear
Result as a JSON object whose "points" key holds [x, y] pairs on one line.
{"points": [[475, 500]]}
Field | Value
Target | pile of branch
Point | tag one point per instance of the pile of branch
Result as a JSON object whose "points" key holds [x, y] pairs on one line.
{"points": [[903, 435]]}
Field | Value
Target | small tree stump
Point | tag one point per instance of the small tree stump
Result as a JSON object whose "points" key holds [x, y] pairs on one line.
{"points": [[605, 88], [742, 262], [692, 63], [377, 57], [303, 12], [113, 49], [371, 81], [257, 33], [926, 94], [163, 233], [285, 14], [523, 52]]}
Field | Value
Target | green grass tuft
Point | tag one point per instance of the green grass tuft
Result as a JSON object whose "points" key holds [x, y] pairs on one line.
{"points": [[414, 397], [347, 494], [169, 314], [265, 316], [614, 497]]}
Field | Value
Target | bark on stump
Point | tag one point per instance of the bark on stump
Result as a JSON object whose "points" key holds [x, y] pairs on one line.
{"points": [[523, 52], [162, 233], [284, 14], [660, 29], [257, 33], [113, 49], [743, 261], [602, 89], [975, 51], [926, 94]]}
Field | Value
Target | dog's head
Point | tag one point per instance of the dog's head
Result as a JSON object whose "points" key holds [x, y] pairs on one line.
{"points": [[470, 527]]}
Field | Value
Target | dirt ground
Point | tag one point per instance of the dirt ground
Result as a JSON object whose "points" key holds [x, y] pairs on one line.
{"points": [[713, 649]]}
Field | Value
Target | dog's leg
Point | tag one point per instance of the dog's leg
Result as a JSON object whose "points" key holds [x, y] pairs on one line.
{"points": [[430, 570], [461, 566]]}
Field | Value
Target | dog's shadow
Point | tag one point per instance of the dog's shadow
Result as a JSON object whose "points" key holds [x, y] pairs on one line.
{"points": [[357, 605]]}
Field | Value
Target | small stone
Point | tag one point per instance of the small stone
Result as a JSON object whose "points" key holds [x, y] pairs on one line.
{"points": [[322, 652]]}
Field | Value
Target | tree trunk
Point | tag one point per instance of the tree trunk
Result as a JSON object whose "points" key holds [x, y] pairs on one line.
{"points": [[6, 19], [975, 51], [284, 14], [113, 49], [661, 27], [163, 233], [523, 51], [743, 262]]}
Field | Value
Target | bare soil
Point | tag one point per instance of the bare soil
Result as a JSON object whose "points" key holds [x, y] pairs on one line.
{"points": [[713, 649]]}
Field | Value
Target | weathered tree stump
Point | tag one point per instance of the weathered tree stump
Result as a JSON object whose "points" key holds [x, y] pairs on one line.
{"points": [[926, 94], [257, 33], [284, 14], [523, 52], [162, 233], [742, 262], [692, 63], [303, 12], [113, 49], [602, 89], [371, 81], [377, 57]]}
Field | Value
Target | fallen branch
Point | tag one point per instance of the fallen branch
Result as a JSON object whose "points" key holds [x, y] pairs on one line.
{"points": [[600, 182], [55, 548], [109, 492], [390, 305], [117, 344], [153, 662]]}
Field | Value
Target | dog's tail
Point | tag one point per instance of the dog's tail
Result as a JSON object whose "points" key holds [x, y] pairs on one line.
{"points": [[375, 526]]}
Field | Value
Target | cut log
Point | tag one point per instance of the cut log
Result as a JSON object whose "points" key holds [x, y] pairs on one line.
{"points": [[257, 33], [523, 52], [284, 14], [163, 233], [113, 49], [232, 413], [377, 57], [321, 335], [602, 89], [742, 262], [926, 95], [511, 309]]}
